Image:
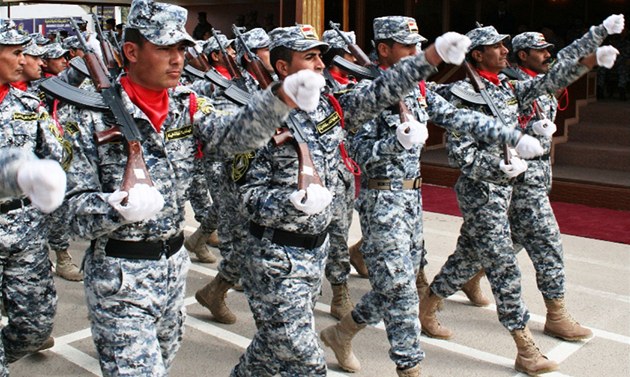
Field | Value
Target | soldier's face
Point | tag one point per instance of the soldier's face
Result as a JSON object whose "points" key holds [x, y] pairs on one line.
{"points": [[389, 56], [32, 68], [493, 58], [11, 63], [309, 59], [536, 60], [56, 65], [155, 67], [263, 54]]}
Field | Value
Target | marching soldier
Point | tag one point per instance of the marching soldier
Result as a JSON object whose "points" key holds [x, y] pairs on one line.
{"points": [[55, 59]]}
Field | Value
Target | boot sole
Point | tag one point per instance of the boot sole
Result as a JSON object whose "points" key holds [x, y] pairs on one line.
{"points": [[327, 344], [436, 336], [535, 373], [572, 339], [203, 303]]}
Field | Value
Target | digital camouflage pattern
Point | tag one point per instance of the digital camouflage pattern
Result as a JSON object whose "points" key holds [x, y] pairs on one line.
{"points": [[403, 30], [9, 34], [300, 38], [485, 36], [72, 42], [33, 49], [39, 39], [54, 51], [530, 39], [162, 24], [254, 39], [10, 161], [213, 45], [333, 38]]}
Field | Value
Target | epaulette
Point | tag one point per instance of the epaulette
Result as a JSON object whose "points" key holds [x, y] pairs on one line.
{"points": [[181, 90], [29, 100]]}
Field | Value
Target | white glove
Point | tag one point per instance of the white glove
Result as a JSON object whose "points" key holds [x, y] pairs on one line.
{"points": [[544, 127], [614, 24], [303, 88], [143, 202], [317, 198], [452, 47], [44, 182], [529, 147], [516, 167], [606, 56], [411, 133]]}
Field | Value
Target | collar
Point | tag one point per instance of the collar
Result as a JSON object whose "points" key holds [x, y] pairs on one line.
{"points": [[154, 104], [492, 77], [21, 85], [528, 71]]}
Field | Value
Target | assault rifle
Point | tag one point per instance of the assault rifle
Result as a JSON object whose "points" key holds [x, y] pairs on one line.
{"points": [[112, 62], [254, 64], [197, 58], [229, 63], [136, 169]]}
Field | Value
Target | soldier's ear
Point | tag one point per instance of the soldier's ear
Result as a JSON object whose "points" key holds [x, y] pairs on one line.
{"points": [[522, 55], [282, 67], [476, 55], [383, 49], [130, 50]]}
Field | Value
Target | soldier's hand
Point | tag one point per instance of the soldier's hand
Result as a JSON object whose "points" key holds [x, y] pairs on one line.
{"points": [[514, 168], [452, 47], [44, 182], [614, 24], [317, 199], [606, 56], [304, 88], [529, 147], [411, 133], [544, 127], [143, 202]]}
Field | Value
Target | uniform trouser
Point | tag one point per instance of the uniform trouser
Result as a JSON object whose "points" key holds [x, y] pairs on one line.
{"points": [[485, 242], [534, 226], [28, 290], [199, 194], [391, 222], [338, 263], [59, 237], [282, 284], [136, 310]]}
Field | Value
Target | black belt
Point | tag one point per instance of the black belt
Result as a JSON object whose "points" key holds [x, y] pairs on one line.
{"points": [[14, 204], [395, 184], [143, 249], [544, 157], [284, 238]]}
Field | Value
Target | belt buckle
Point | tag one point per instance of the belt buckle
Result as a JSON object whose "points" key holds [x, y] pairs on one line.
{"points": [[417, 183], [268, 234]]}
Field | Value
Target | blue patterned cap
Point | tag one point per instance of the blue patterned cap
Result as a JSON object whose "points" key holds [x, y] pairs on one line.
{"points": [[254, 39], [54, 51], [298, 38], [403, 30], [530, 39], [71, 43], [160, 23], [33, 49], [485, 36], [40, 39], [9, 35], [213, 45], [335, 41]]}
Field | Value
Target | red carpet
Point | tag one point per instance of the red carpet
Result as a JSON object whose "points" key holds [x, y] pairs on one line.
{"points": [[575, 219]]}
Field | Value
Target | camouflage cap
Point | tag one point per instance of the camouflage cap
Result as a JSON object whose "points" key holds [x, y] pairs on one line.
{"points": [[335, 41], [401, 29], [33, 49], [530, 39], [254, 39], [54, 51], [485, 36], [40, 39], [71, 43], [298, 38], [213, 45], [160, 23], [9, 35]]}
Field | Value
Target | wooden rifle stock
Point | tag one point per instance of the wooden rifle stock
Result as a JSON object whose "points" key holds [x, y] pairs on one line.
{"points": [[196, 59], [254, 64], [307, 173], [226, 59], [111, 63]]}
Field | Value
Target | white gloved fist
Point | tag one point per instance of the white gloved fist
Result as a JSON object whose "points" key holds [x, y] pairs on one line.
{"points": [[143, 202], [606, 56], [544, 127], [452, 47], [44, 182], [529, 147], [317, 199], [614, 24], [304, 88], [516, 167], [411, 133]]}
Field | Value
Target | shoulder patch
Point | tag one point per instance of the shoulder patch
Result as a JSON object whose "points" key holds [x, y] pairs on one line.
{"points": [[328, 123], [179, 133]]}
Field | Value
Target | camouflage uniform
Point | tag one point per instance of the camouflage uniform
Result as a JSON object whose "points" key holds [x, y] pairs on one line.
{"points": [[136, 305], [10, 160], [391, 218], [484, 191], [255, 38], [28, 291]]}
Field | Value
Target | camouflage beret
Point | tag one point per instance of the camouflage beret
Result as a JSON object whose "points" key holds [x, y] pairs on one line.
{"points": [[530, 39], [40, 39], [254, 39], [71, 43], [335, 41], [485, 36], [9, 35], [54, 51], [33, 49], [213, 45], [160, 23], [401, 29], [298, 38]]}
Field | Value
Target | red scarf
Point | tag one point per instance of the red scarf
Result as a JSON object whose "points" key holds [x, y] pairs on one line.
{"points": [[48, 75], [492, 77], [4, 90], [21, 85], [340, 77], [153, 103], [223, 71], [528, 71]]}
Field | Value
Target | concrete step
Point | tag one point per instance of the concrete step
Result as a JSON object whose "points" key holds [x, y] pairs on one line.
{"points": [[603, 112], [591, 155], [607, 133], [594, 175]]}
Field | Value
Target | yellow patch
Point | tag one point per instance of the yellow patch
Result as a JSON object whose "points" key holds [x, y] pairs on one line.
{"points": [[66, 161], [328, 123], [72, 128], [512, 102], [179, 133], [240, 165], [204, 106], [25, 116]]}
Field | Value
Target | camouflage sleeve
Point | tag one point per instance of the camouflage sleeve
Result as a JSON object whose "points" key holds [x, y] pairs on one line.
{"points": [[480, 126], [585, 45], [202, 87], [369, 98], [50, 138], [367, 146], [475, 163], [10, 161], [249, 128]]}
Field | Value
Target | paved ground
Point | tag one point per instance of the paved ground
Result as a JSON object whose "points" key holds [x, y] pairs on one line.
{"points": [[598, 276]]}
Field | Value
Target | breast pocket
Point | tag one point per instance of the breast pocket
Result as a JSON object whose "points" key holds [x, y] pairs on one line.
{"points": [[113, 159]]}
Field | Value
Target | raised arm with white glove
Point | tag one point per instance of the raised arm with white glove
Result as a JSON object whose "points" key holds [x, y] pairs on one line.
{"points": [[544, 127], [44, 182], [529, 147], [143, 202], [303, 88], [317, 199], [606, 56], [411, 133], [452, 47], [514, 168], [614, 24]]}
